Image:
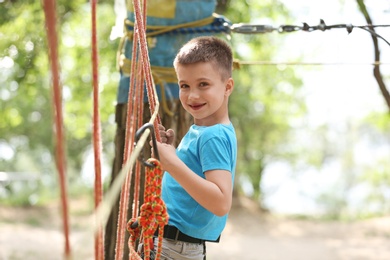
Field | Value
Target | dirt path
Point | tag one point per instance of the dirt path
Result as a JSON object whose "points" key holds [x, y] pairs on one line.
{"points": [[270, 238], [35, 233]]}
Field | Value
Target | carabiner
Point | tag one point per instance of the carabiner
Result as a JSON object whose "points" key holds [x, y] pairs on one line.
{"points": [[138, 134]]}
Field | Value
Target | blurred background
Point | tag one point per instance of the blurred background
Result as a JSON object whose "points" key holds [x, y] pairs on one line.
{"points": [[312, 122]]}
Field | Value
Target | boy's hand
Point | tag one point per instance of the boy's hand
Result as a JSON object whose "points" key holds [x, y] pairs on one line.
{"points": [[167, 136]]}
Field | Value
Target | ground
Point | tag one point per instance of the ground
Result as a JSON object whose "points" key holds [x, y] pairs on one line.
{"points": [[35, 233]]}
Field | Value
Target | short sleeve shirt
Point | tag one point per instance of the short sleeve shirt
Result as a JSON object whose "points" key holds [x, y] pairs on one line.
{"points": [[202, 149]]}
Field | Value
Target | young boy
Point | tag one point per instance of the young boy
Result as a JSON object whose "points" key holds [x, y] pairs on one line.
{"points": [[199, 174]]}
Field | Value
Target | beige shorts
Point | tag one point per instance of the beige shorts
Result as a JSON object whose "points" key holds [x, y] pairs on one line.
{"points": [[178, 250]]}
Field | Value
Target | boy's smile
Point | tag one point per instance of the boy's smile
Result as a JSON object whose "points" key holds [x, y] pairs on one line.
{"points": [[203, 93]]}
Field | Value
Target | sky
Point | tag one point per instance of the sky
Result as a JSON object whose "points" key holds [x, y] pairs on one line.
{"points": [[335, 94]]}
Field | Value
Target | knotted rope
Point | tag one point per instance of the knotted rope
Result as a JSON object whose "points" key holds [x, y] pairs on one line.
{"points": [[153, 214]]}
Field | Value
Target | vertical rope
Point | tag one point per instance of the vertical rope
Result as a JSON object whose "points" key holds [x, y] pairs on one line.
{"points": [[146, 62], [97, 141], [140, 108], [129, 140], [134, 118], [50, 21]]}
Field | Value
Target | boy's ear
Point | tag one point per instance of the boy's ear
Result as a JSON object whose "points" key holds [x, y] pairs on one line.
{"points": [[229, 86]]}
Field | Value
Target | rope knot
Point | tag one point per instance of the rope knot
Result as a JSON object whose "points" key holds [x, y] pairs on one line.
{"points": [[153, 213]]}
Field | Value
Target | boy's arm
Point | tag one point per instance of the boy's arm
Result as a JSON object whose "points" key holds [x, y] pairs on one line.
{"points": [[214, 193]]}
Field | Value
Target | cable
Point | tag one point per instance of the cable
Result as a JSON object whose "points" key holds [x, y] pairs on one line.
{"points": [[322, 26], [299, 63]]}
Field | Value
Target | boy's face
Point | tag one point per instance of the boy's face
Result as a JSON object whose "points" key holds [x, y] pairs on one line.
{"points": [[203, 93]]}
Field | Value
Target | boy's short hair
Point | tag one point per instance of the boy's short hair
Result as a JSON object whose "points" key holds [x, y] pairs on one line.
{"points": [[207, 49]]}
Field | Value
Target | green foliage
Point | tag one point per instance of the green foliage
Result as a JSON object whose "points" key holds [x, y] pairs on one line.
{"points": [[26, 124], [377, 175], [266, 99], [381, 121], [266, 103], [362, 190]]}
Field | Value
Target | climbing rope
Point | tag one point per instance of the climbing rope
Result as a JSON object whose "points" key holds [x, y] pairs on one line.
{"points": [[135, 105], [142, 43], [131, 123], [97, 140], [161, 76], [102, 207], [51, 32], [153, 215]]}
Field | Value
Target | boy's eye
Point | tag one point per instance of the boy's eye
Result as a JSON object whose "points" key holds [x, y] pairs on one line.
{"points": [[183, 86], [203, 84]]}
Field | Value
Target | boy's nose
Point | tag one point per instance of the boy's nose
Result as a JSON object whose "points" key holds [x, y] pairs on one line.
{"points": [[193, 94]]}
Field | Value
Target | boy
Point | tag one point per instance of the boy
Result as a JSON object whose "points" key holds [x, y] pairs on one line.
{"points": [[198, 179]]}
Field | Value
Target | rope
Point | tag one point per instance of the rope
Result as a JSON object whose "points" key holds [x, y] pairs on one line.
{"points": [[140, 108], [237, 63], [146, 63], [51, 32], [160, 75], [97, 140], [214, 23], [166, 74], [153, 212], [144, 73], [129, 139], [135, 233], [260, 28], [103, 211], [191, 27]]}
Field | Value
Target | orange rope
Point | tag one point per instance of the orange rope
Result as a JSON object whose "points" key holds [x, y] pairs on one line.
{"points": [[51, 32], [99, 241], [135, 233], [134, 118], [153, 213], [125, 192], [139, 22], [140, 107]]}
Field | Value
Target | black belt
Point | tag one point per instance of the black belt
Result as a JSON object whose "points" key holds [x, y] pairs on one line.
{"points": [[172, 232]]}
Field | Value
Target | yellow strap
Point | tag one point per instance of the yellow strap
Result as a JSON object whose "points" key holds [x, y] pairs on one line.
{"points": [[160, 29], [165, 107], [160, 75]]}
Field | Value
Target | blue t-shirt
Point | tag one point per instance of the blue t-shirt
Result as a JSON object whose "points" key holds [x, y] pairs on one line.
{"points": [[202, 149]]}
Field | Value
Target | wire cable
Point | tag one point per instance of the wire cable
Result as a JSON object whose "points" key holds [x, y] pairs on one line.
{"points": [[322, 26]]}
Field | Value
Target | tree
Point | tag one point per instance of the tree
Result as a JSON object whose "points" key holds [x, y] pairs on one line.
{"points": [[26, 99], [26, 114], [266, 98], [376, 71]]}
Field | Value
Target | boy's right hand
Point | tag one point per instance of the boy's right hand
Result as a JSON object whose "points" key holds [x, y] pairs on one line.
{"points": [[167, 136]]}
